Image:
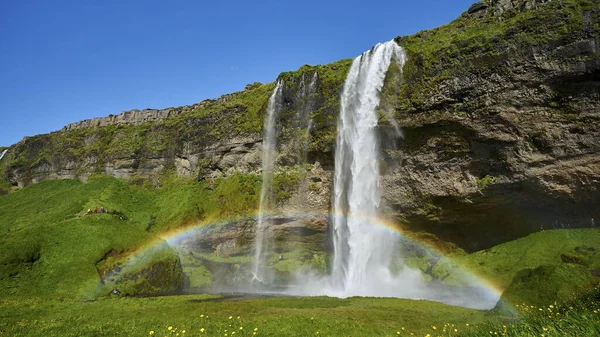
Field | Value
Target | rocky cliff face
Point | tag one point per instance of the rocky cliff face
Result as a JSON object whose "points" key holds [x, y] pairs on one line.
{"points": [[500, 114]]}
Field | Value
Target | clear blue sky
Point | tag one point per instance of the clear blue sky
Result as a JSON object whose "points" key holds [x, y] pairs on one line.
{"points": [[65, 61]]}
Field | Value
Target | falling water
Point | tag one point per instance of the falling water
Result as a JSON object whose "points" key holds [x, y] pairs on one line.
{"points": [[268, 162], [308, 105], [3, 153], [362, 252]]}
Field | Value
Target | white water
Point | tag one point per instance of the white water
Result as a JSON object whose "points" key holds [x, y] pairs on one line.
{"points": [[307, 96], [362, 251], [268, 163], [3, 153]]}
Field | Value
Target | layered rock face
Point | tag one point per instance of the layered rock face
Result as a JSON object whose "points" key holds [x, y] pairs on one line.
{"points": [[507, 141], [500, 112]]}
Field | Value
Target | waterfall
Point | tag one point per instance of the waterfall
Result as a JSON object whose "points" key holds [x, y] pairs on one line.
{"points": [[307, 97], [362, 251], [309, 105], [3, 153], [269, 155]]}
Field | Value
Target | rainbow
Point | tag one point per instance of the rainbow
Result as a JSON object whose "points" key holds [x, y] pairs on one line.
{"points": [[173, 237]]}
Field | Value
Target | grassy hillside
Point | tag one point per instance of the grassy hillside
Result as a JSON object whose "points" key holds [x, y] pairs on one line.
{"points": [[552, 247], [51, 246]]}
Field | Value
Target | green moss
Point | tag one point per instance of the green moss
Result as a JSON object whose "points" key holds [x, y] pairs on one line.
{"points": [[485, 181]]}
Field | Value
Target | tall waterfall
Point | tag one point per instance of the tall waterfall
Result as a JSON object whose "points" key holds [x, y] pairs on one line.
{"points": [[269, 155], [3, 153], [362, 251]]}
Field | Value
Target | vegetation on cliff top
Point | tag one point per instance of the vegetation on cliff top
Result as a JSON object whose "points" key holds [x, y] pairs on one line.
{"points": [[475, 44]]}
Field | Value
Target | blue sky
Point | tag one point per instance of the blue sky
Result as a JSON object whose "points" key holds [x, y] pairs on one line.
{"points": [[65, 61]]}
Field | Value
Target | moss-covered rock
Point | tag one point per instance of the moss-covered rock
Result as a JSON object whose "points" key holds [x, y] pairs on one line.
{"points": [[150, 271]]}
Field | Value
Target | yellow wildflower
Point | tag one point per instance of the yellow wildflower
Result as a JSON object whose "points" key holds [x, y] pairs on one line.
{"points": [[170, 328], [202, 316], [183, 331], [151, 332], [254, 333], [397, 332], [202, 330], [241, 328], [403, 329], [255, 329], [433, 327], [230, 317], [238, 317]]}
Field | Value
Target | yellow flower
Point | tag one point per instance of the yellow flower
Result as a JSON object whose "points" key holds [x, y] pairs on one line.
{"points": [[151, 332], [397, 332], [254, 333], [433, 327], [202, 330], [255, 329], [202, 316], [230, 317], [551, 306], [467, 324], [183, 331], [455, 330], [238, 317], [241, 328], [427, 335], [170, 328], [403, 329], [233, 333]]}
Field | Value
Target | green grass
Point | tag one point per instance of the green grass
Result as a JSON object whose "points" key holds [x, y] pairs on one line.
{"points": [[501, 263], [271, 317], [578, 316], [46, 231]]}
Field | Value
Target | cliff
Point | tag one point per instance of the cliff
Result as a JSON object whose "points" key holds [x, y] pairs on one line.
{"points": [[499, 111]]}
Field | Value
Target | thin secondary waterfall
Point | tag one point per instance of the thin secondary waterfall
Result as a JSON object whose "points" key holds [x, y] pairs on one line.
{"points": [[307, 93], [3, 153], [362, 251], [269, 155]]}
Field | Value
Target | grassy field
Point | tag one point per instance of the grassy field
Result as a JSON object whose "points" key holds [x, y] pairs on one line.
{"points": [[271, 317], [205, 315]]}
